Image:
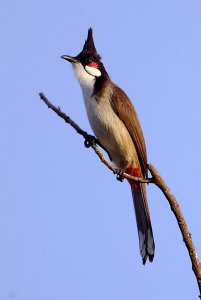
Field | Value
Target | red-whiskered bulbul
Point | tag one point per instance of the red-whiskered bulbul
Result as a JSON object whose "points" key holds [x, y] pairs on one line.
{"points": [[115, 123]]}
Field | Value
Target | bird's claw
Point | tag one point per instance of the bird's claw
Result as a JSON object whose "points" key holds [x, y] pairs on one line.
{"points": [[89, 140], [119, 176]]}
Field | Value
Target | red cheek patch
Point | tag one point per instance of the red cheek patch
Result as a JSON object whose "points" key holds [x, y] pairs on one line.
{"points": [[93, 65]]}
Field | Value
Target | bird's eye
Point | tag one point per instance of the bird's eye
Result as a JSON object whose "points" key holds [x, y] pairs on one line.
{"points": [[88, 61]]}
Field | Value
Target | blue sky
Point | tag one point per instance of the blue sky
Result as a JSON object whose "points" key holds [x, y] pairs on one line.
{"points": [[67, 227]]}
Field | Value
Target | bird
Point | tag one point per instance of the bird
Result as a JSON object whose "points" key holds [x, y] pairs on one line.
{"points": [[115, 124]]}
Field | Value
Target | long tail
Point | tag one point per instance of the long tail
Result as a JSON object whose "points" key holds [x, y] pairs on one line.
{"points": [[146, 239]]}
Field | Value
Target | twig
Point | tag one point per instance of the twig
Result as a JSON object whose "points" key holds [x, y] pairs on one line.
{"points": [[156, 179], [61, 114]]}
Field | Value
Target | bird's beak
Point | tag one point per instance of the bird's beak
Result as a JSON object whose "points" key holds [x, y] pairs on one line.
{"points": [[71, 59]]}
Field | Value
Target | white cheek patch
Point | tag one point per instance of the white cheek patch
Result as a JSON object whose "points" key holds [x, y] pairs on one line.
{"points": [[93, 71]]}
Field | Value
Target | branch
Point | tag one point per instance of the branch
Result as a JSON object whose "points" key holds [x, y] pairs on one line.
{"points": [[156, 179], [187, 238]]}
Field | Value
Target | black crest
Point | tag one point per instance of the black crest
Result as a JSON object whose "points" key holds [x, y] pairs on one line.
{"points": [[89, 49], [89, 43]]}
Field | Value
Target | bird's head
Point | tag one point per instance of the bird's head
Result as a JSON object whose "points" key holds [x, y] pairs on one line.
{"points": [[88, 60]]}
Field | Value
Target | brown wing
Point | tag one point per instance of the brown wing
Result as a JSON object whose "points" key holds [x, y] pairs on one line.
{"points": [[124, 109]]}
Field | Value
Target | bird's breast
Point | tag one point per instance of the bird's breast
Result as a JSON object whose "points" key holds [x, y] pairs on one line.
{"points": [[109, 129]]}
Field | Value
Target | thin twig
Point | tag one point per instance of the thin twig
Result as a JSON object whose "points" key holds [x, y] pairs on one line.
{"points": [[61, 114], [156, 179]]}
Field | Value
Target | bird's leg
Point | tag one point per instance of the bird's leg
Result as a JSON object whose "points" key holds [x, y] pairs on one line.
{"points": [[119, 173], [90, 139]]}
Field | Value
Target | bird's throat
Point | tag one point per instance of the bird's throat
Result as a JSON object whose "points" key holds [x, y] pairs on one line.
{"points": [[85, 80]]}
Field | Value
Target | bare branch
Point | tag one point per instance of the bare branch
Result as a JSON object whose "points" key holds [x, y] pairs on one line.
{"points": [[156, 179], [187, 238], [61, 114]]}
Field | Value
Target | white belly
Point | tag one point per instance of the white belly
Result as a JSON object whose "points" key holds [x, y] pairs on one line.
{"points": [[110, 131]]}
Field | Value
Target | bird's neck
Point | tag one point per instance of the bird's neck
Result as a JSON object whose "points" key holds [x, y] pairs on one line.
{"points": [[101, 84], [91, 85], [85, 80]]}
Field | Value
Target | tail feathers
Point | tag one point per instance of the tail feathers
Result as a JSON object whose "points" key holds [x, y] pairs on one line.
{"points": [[146, 239]]}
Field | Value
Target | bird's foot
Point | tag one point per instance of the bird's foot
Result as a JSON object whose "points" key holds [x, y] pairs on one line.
{"points": [[119, 176], [89, 140]]}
